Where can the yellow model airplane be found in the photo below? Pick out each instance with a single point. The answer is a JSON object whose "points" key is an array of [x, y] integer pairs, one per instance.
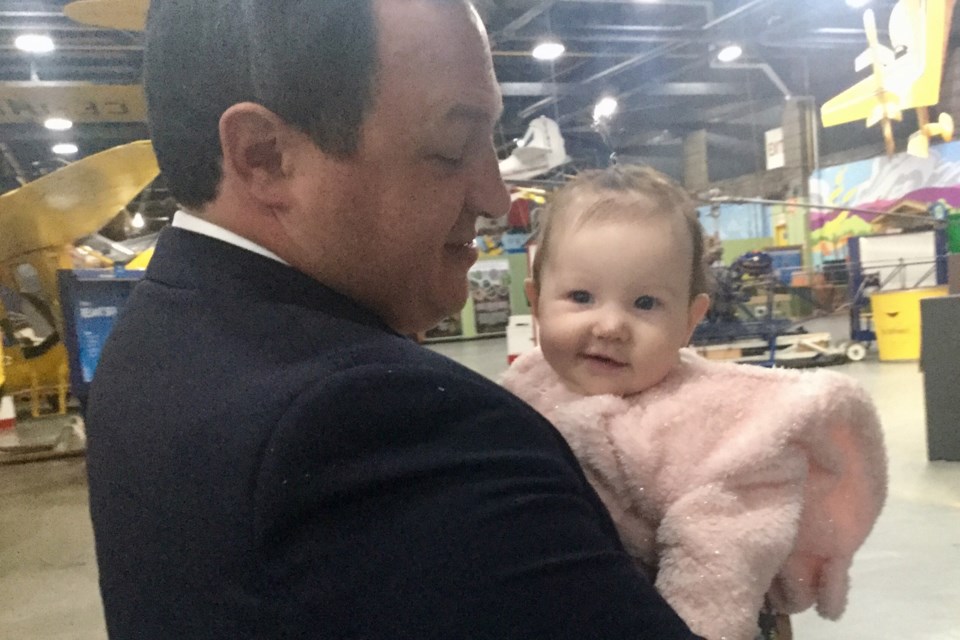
{"points": [[37, 221], [126, 15], [906, 76]]}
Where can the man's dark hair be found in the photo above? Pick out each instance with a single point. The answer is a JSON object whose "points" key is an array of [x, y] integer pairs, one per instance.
{"points": [[312, 62]]}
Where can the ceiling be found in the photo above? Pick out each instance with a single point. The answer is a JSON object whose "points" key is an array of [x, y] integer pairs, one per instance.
{"points": [[658, 57]]}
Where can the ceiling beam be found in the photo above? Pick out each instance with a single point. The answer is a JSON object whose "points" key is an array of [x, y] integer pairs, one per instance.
{"points": [[120, 132], [71, 27], [708, 4], [694, 89], [529, 16], [655, 52], [650, 150], [640, 128], [658, 35], [530, 89]]}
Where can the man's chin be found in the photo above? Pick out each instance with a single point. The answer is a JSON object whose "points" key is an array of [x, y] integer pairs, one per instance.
{"points": [[430, 315]]}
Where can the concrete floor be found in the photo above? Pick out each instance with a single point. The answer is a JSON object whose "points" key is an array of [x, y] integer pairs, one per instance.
{"points": [[906, 579]]}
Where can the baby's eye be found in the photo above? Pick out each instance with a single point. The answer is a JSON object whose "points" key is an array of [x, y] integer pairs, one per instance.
{"points": [[580, 297], [646, 303]]}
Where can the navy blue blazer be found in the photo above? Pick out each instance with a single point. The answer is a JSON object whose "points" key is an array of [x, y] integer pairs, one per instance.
{"points": [[268, 460]]}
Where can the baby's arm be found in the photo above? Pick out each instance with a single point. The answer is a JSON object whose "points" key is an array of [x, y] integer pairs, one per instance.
{"points": [[721, 544]]}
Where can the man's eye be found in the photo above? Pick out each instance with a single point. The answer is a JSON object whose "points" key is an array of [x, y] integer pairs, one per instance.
{"points": [[447, 161], [646, 303], [581, 297]]}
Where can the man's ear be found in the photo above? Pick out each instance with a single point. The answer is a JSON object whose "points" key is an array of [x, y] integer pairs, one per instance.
{"points": [[698, 308], [533, 295], [256, 145]]}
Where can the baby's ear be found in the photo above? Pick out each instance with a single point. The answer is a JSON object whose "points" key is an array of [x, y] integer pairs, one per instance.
{"points": [[698, 308], [533, 295]]}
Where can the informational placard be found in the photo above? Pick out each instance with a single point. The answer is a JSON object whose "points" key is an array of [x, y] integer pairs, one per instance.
{"points": [[92, 300], [774, 145], [94, 323], [490, 290]]}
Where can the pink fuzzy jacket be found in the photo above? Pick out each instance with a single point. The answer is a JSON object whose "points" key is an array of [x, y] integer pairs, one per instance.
{"points": [[736, 482]]}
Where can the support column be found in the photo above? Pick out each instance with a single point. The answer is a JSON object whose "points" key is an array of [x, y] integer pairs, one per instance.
{"points": [[696, 176]]}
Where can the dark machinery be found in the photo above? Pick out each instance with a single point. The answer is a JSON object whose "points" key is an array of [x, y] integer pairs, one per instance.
{"points": [[752, 332]]}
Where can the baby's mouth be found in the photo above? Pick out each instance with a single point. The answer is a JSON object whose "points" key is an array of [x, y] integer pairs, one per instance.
{"points": [[603, 360]]}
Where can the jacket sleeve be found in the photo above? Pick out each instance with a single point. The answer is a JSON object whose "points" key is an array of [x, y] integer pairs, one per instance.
{"points": [[722, 543], [844, 493], [439, 507]]}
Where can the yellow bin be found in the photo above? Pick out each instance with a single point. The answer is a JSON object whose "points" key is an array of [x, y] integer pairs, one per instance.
{"points": [[896, 319]]}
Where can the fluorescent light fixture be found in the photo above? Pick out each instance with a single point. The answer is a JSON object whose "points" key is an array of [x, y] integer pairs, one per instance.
{"points": [[34, 43], [730, 53], [858, 4], [58, 124], [65, 149], [548, 50], [137, 222], [605, 108]]}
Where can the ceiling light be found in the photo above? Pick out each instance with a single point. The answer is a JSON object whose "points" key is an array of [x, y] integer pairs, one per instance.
{"points": [[548, 50], [858, 4], [137, 222], [34, 43], [605, 108], [58, 124], [730, 53], [65, 149]]}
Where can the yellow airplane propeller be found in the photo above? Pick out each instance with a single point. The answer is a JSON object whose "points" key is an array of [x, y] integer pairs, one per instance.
{"points": [[919, 142], [74, 201], [126, 15]]}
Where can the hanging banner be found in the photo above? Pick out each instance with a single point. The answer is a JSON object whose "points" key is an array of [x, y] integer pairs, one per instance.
{"points": [[26, 102]]}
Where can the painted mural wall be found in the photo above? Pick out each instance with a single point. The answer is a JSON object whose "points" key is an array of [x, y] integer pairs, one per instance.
{"points": [[878, 185]]}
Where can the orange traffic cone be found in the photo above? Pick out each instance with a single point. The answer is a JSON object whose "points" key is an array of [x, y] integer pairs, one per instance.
{"points": [[8, 415]]}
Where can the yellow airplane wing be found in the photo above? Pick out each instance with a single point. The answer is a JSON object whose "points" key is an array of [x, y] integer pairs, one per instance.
{"points": [[914, 79], [932, 28], [75, 201], [126, 15]]}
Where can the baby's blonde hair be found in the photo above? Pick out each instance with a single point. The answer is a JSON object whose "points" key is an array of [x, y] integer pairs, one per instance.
{"points": [[631, 190]]}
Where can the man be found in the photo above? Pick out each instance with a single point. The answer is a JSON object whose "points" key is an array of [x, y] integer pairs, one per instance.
{"points": [[268, 456]]}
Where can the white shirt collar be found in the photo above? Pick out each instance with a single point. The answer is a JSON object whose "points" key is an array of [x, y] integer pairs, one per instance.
{"points": [[190, 222]]}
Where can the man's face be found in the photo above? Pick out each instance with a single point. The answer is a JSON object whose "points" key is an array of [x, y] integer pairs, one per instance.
{"points": [[393, 226]]}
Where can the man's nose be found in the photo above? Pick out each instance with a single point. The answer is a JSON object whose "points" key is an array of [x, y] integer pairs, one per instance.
{"points": [[488, 195]]}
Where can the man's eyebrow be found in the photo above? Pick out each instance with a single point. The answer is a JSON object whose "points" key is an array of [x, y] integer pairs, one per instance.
{"points": [[471, 113]]}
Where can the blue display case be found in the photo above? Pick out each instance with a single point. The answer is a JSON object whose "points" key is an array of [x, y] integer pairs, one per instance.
{"points": [[91, 300]]}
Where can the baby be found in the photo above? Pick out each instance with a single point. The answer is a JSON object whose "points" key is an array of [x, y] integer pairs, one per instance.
{"points": [[732, 485]]}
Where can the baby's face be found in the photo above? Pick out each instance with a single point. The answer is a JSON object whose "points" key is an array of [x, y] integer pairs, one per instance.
{"points": [[614, 304]]}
